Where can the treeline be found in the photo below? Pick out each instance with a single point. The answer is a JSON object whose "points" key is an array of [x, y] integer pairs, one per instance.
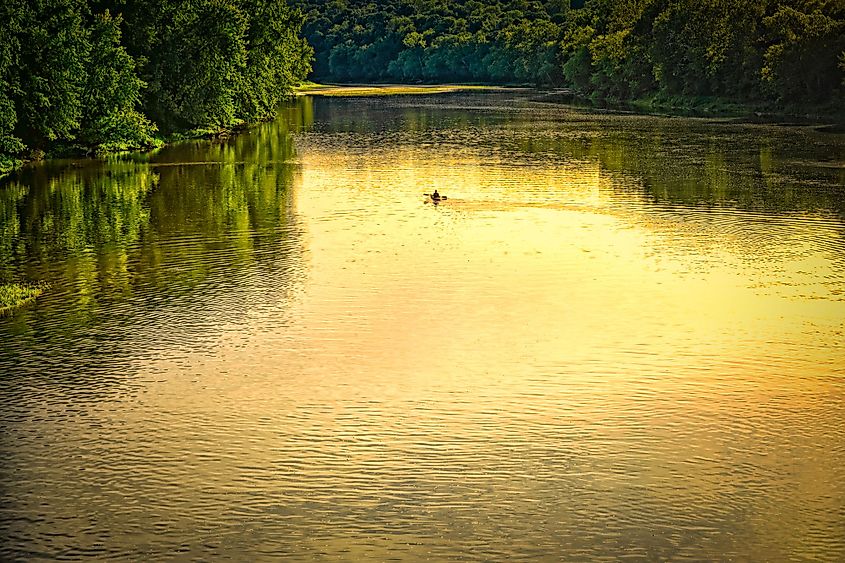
{"points": [[772, 51], [102, 75], [493, 41], [786, 51]]}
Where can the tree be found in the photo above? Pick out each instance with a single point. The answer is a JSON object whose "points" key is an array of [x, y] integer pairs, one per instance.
{"points": [[89, 74], [801, 62], [196, 72], [48, 83], [434, 40], [10, 29], [276, 59], [112, 92]]}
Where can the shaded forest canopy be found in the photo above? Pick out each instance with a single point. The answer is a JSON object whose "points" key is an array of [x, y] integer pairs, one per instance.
{"points": [[779, 51], [110, 74]]}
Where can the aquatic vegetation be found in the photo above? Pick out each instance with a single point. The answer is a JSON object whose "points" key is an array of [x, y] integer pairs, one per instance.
{"points": [[14, 295]]}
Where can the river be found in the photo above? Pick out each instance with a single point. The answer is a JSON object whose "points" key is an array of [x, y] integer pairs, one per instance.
{"points": [[621, 336]]}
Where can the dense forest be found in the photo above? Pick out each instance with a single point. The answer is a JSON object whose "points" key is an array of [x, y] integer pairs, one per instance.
{"points": [[100, 75], [768, 51]]}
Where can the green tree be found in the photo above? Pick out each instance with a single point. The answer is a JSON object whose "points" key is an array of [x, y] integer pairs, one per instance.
{"points": [[112, 93], [802, 60], [48, 83], [434, 40], [276, 59], [10, 29], [534, 45], [196, 72], [91, 73]]}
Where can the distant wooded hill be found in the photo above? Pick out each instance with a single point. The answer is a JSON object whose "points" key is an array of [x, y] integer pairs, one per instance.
{"points": [[790, 51]]}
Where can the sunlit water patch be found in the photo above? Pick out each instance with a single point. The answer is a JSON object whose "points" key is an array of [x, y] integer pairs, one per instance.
{"points": [[620, 336]]}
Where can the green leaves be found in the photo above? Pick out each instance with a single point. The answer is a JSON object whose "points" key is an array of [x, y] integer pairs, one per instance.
{"points": [[775, 50], [433, 40], [112, 92], [196, 68], [105, 75], [803, 57], [48, 83], [15, 295], [277, 59], [10, 144], [215, 63]]}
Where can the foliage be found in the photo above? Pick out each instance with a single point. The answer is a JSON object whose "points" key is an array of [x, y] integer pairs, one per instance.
{"points": [[790, 52], [214, 63], [761, 51], [277, 59], [195, 72], [47, 82], [801, 61], [435, 41], [14, 295], [112, 92], [106, 75], [10, 144]]}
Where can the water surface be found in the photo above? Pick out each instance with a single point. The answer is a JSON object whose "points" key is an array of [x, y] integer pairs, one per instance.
{"points": [[621, 336]]}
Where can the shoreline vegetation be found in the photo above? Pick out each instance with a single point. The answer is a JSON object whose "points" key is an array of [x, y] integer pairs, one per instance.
{"points": [[91, 77], [778, 57], [680, 106], [14, 296], [677, 106], [823, 119], [100, 76]]}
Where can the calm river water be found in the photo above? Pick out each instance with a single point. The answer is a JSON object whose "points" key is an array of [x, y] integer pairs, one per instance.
{"points": [[620, 337]]}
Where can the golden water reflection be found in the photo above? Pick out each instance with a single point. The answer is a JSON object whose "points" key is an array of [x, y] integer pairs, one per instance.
{"points": [[619, 336]]}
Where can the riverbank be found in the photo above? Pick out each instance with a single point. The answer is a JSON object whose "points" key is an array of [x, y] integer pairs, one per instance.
{"points": [[757, 110], [829, 117], [368, 90], [8, 166], [14, 295]]}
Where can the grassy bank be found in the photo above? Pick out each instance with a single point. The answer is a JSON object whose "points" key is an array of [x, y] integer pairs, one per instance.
{"points": [[359, 90], [14, 295]]}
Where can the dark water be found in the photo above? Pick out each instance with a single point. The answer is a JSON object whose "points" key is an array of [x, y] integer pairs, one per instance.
{"points": [[620, 337]]}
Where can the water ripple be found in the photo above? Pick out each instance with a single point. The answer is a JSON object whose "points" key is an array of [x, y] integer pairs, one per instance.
{"points": [[620, 337]]}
